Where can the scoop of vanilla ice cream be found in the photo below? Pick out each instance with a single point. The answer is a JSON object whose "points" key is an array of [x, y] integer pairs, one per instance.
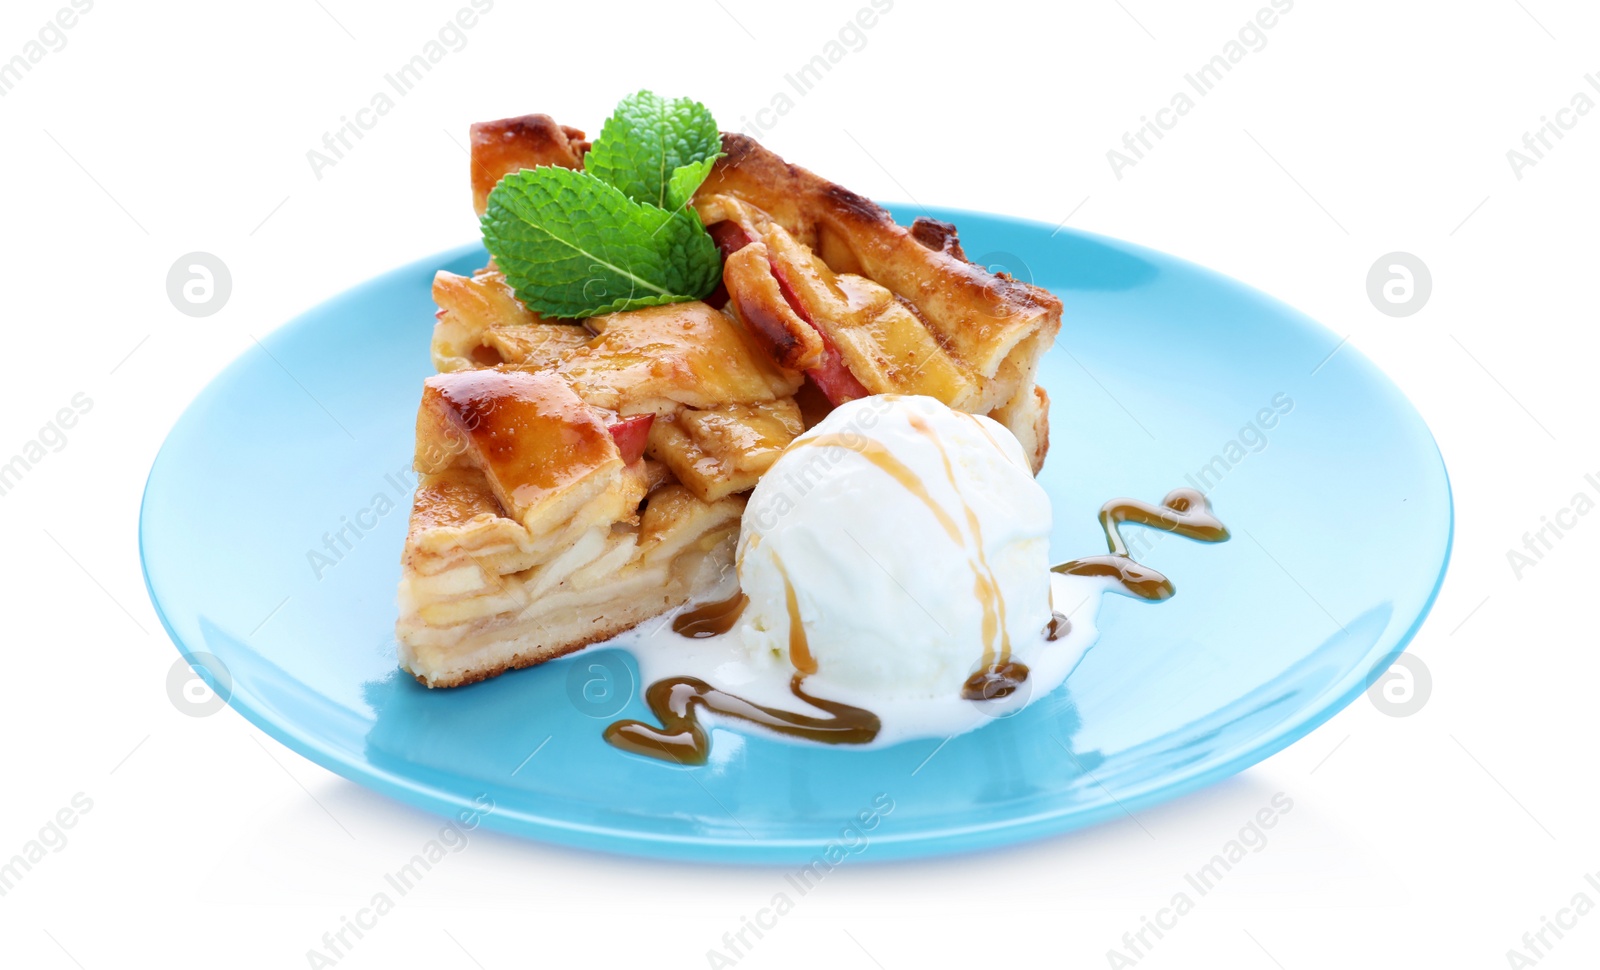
{"points": [[898, 532]]}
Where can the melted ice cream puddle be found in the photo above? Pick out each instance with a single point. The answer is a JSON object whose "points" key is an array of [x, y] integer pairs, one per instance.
{"points": [[726, 663]]}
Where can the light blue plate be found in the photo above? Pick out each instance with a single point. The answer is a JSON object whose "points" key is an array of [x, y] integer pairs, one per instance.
{"points": [[1340, 514]]}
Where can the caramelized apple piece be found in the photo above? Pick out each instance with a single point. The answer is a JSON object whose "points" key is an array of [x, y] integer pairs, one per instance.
{"points": [[831, 375], [544, 453], [656, 474], [631, 435], [757, 296], [725, 450], [471, 309], [683, 354], [675, 517], [533, 346], [834, 380], [723, 214], [760, 294], [748, 438], [729, 236], [873, 343], [458, 504]]}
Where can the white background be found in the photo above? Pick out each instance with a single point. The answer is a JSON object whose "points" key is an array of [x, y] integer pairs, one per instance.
{"points": [[1361, 128]]}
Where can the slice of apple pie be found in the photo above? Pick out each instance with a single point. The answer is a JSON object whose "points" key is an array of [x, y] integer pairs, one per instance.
{"points": [[540, 525], [579, 477]]}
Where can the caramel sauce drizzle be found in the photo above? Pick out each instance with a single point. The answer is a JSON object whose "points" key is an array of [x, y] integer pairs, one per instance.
{"points": [[998, 680], [995, 681], [682, 740], [1184, 511], [799, 648], [985, 585], [711, 619], [984, 431], [997, 675], [898, 470], [1059, 626]]}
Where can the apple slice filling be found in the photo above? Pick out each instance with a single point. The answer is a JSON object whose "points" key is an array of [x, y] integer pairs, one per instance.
{"points": [[758, 288]]}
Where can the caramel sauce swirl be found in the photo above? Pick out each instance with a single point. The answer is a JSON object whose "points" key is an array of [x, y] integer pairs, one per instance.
{"points": [[681, 739], [886, 462], [995, 681], [1184, 511], [711, 619], [674, 701], [985, 586], [799, 647], [1059, 626]]}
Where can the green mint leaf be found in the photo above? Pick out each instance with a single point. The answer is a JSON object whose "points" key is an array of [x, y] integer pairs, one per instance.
{"points": [[572, 246], [646, 140], [685, 179]]}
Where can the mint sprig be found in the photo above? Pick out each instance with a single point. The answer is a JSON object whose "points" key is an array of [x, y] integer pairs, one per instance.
{"points": [[572, 246], [647, 141], [686, 179], [618, 235]]}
